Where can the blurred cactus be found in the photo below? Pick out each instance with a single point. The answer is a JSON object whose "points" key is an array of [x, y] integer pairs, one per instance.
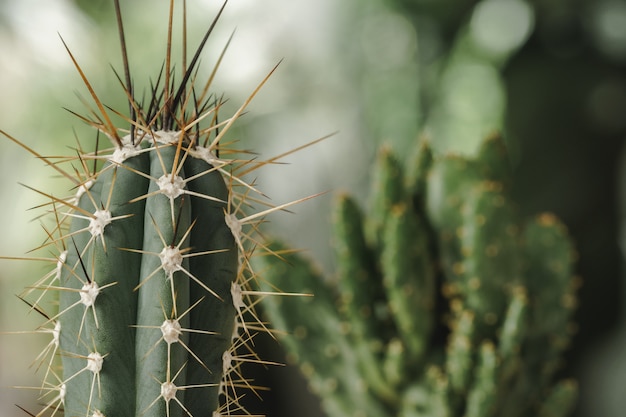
{"points": [[444, 302]]}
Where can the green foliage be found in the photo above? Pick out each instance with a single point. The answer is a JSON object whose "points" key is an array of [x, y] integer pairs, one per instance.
{"points": [[444, 302]]}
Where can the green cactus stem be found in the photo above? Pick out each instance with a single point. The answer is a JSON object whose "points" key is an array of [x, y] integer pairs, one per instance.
{"points": [[449, 305]]}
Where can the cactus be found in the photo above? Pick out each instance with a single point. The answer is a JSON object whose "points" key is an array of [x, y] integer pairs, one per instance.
{"points": [[444, 301], [151, 275]]}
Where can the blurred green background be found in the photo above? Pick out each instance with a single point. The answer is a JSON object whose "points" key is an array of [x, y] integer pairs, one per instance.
{"points": [[549, 74]]}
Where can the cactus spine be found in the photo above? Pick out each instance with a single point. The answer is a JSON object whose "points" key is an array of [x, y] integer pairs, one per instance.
{"points": [[444, 302], [152, 274]]}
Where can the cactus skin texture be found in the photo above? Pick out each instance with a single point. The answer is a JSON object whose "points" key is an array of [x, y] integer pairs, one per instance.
{"points": [[445, 303], [147, 247], [152, 285]]}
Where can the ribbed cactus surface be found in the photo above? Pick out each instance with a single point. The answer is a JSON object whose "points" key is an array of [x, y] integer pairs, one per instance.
{"points": [[444, 301], [149, 298], [145, 286]]}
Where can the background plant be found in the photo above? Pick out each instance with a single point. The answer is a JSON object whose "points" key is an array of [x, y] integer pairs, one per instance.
{"points": [[444, 301]]}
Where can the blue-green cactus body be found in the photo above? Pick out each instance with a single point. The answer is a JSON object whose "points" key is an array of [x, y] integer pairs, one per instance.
{"points": [[165, 266], [98, 325], [216, 312], [163, 292]]}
